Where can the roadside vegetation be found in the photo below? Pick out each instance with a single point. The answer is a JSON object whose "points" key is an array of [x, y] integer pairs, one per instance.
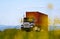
{"points": [[18, 34]]}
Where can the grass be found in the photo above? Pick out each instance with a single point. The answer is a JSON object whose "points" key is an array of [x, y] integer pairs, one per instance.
{"points": [[18, 34]]}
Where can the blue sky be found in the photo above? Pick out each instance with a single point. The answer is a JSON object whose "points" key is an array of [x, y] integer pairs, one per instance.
{"points": [[13, 10]]}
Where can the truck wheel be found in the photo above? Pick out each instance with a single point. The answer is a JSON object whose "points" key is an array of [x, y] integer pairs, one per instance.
{"points": [[27, 29]]}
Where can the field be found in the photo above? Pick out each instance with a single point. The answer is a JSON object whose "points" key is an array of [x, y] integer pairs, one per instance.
{"points": [[18, 34]]}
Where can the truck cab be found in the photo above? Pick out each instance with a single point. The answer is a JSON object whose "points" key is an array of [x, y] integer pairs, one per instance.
{"points": [[27, 24]]}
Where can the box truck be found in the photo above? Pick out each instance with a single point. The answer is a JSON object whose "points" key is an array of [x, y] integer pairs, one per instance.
{"points": [[35, 21]]}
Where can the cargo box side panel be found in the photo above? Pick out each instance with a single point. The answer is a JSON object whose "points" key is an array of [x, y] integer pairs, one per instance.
{"points": [[43, 21]]}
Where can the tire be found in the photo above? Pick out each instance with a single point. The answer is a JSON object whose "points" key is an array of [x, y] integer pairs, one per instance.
{"points": [[27, 29]]}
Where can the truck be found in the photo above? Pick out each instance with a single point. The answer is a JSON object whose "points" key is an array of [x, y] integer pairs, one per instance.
{"points": [[35, 21]]}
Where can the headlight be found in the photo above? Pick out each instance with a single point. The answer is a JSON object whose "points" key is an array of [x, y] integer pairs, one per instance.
{"points": [[31, 26]]}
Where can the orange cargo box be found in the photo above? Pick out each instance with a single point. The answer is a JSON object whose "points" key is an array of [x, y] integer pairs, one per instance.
{"points": [[40, 19]]}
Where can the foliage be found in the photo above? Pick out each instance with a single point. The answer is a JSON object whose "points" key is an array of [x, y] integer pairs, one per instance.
{"points": [[18, 34]]}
